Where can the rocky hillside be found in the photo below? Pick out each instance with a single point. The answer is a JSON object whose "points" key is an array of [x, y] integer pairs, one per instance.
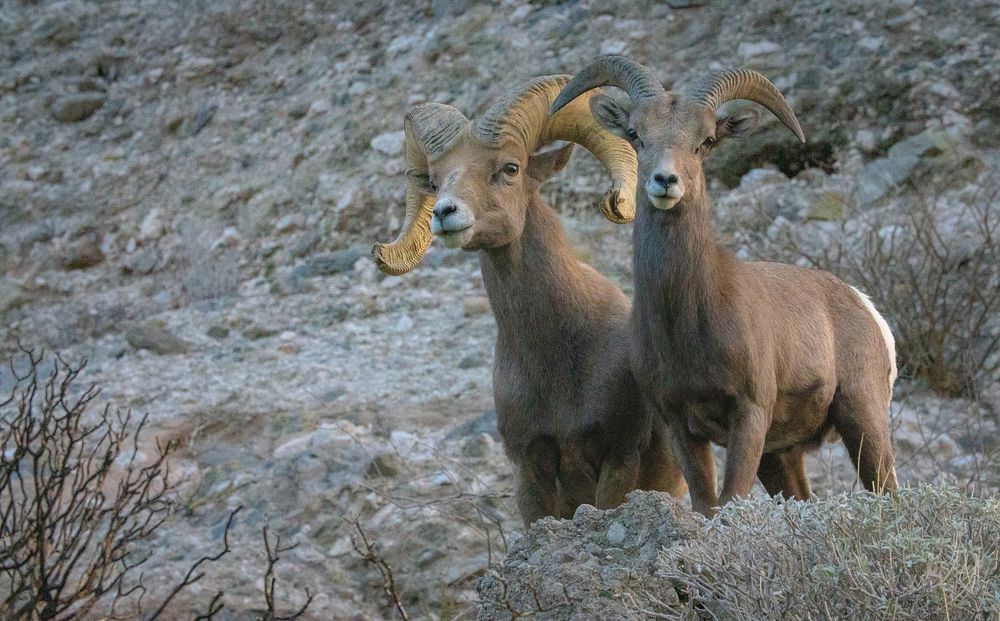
{"points": [[188, 192]]}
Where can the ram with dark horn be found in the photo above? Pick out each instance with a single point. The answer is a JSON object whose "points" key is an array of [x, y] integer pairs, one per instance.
{"points": [[568, 408], [765, 359]]}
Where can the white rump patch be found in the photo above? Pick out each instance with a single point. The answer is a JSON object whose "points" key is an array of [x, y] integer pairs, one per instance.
{"points": [[890, 343]]}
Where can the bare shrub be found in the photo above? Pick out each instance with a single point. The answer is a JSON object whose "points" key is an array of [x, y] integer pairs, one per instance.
{"points": [[923, 553], [80, 503], [936, 280]]}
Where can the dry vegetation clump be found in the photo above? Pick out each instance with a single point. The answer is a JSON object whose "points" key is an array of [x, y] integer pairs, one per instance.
{"points": [[923, 553], [936, 280]]}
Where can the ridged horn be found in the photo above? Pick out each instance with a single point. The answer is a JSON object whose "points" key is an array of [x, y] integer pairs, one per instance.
{"points": [[523, 114], [430, 129], [752, 86], [620, 71]]}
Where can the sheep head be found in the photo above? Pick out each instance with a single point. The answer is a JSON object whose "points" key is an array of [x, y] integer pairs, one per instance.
{"points": [[672, 133], [469, 183]]}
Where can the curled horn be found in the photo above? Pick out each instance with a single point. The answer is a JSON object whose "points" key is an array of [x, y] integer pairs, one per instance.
{"points": [[620, 71], [752, 86], [523, 114], [430, 130]]}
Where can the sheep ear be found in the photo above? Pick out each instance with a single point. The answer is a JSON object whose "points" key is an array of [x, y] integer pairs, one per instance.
{"points": [[738, 125], [544, 164], [420, 180], [610, 114]]}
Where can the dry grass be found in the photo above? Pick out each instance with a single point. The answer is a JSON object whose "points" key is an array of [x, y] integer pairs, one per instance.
{"points": [[923, 553]]}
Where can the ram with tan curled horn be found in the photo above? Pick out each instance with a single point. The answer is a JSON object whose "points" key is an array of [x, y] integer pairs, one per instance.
{"points": [[765, 359], [567, 405]]}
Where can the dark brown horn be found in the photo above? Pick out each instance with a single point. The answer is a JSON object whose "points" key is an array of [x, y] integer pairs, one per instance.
{"points": [[752, 86], [620, 71]]}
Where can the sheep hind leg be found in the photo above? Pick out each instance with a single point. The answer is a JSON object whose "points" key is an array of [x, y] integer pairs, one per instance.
{"points": [[784, 473], [864, 428]]}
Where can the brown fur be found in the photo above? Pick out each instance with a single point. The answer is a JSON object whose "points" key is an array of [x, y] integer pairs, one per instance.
{"points": [[762, 358], [568, 408]]}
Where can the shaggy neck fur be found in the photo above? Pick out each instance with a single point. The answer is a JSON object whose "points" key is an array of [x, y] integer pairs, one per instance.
{"points": [[676, 252], [536, 287]]}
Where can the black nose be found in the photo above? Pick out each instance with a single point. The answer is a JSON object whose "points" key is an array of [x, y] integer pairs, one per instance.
{"points": [[665, 180], [443, 211]]}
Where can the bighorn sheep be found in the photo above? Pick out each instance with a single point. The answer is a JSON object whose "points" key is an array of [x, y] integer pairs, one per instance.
{"points": [[763, 358], [568, 408]]}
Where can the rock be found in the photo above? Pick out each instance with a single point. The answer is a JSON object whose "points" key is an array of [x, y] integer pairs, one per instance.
{"points": [[319, 107], [229, 238], [471, 362], [352, 208], [82, 253], [484, 423], [884, 174], [389, 143], [156, 339], [152, 226], [475, 306], [289, 223], [77, 107], [60, 30], [195, 67], [335, 262], [304, 243], [218, 332], [384, 465], [13, 295], [613, 47], [685, 4], [616, 534], [142, 262], [827, 205], [760, 48], [572, 570], [256, 332]]}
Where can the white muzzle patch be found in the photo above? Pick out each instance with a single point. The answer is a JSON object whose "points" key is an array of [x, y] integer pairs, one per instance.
{"points": [[661, 197], [455, 228]]}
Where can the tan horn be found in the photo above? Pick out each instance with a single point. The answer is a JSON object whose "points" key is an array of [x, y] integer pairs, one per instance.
{"points": [[430, 130], [523, 114], [752, 86]]}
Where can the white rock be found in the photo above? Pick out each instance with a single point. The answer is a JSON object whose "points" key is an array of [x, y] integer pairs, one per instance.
{"points": [[151, 226], [195, 67], [520, 13], [230, 237], [389, 143], [320, 106], [749, 49], [402, 43], [616, 533], [865, 139], [613, 47], [289, 222]]}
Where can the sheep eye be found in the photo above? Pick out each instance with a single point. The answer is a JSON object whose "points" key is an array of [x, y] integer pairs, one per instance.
{"points": [[511, 169], [632, 134], [709, 142]]}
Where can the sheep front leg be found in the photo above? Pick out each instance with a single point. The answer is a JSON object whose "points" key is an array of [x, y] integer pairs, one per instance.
{"points": [[744, 449], [537, 488], [619, 475], [697, 464]]}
